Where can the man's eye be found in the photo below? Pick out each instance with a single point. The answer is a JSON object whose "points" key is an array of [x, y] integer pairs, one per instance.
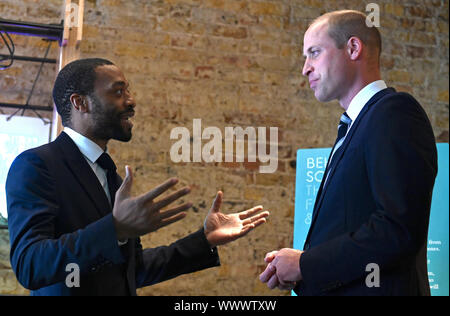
{"points": [[119, 92], [315, 53]]}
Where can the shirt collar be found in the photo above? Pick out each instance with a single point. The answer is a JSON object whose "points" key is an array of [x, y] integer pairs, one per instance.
{"points": [[363, 96], [88, 148]]}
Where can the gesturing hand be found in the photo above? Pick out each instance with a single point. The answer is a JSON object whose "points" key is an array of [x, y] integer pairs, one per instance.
{"points": [[138, 216], [223, 228]]}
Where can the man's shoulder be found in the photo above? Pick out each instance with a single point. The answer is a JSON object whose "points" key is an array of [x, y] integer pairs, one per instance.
{"points": [[392, 95], [45, 154], [397, 112], [37, 152], [392, 102]]}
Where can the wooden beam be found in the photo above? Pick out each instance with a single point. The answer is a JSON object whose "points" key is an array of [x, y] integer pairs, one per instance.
{"points": [[70, 46]]}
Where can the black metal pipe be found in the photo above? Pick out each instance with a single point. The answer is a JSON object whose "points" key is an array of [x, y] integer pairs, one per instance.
{"points": [[27, 58], [52, 32], [26, 107]]}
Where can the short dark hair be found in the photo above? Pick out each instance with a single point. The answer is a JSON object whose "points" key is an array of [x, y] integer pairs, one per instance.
{"points": [[344, 24], [76, 77]]}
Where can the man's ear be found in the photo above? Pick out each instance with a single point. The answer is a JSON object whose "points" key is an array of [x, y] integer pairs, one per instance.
{"points": [[79, 102], [354, 48]]}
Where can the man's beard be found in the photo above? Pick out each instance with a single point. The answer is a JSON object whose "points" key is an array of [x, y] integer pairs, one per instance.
{"points": [[108, 123]]}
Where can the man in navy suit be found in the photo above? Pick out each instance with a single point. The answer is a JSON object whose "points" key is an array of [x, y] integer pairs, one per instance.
{"points": [[368, 234], [69, 211]]}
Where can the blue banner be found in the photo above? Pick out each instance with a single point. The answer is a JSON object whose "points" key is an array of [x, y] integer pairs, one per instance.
{"points": [[311, 164], [438, 252]]}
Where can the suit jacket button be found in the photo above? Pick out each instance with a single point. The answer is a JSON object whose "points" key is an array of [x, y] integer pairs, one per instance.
{"points": [[306, 247]]}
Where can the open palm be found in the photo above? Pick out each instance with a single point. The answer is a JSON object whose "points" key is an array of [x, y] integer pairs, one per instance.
{"points": [[223, 228]]}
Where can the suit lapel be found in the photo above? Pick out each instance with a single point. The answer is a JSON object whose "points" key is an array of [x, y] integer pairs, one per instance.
{"points": [[340, 152], [319, 193], [83, 173]]}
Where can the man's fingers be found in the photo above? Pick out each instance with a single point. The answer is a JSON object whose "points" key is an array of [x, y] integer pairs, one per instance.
{"points": [[172, 219], [152, 194], [175, 210], [171, 198], [273, 282], [256, 218], [267, 274], [270, 256], [247, 228], [217, 202], [250, 212], [124, 190], [258, 223]]}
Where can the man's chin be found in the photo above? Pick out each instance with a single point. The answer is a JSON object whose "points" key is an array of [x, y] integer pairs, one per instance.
{"points": [[322, 98], [123, 137]]}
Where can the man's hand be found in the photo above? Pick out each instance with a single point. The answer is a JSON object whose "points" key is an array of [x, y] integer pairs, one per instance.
{"points": [[223, 228], [138, 216], [283, 269]]}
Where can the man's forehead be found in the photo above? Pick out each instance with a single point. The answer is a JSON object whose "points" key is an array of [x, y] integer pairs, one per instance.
{"points": [[315, 35], [109, 75]]}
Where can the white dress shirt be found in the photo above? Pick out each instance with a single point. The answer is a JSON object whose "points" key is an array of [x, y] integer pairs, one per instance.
{"points": [[91, 152], [362, 97]]}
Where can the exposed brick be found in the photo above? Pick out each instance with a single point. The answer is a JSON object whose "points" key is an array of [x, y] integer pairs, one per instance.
{"points": [[205, 72], [394, 8], [227, 5], [230, 63], [229, 31], [419, 11], [443, 96], [267, 8]]}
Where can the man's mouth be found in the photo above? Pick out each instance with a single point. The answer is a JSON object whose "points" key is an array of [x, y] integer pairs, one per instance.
{"points": [[313, 83], [125, 118]]}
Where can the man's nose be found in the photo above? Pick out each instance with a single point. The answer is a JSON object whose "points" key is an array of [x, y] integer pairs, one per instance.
{"points": [[130, 101], [307, 68]]}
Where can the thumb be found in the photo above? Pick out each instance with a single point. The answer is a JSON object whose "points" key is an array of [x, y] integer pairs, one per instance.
{"points": [[124, 190], [270, 256], [217, 202]]}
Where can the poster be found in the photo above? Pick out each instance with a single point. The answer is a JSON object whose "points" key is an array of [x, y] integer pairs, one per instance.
{"points": [[311, 164]]}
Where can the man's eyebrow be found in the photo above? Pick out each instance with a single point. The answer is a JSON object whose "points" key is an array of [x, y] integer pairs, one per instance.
{"points": [[118, 84], [309, 51]]}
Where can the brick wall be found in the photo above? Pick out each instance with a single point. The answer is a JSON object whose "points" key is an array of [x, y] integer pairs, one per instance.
{"points": [[16, 82], [237, 63]]}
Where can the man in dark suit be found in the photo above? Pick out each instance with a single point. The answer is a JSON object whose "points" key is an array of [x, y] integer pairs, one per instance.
{"points": [[368, 234], [69, 211]]}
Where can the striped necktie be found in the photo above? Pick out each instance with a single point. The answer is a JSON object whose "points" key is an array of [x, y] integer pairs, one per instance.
{"points": [[344, 124]]}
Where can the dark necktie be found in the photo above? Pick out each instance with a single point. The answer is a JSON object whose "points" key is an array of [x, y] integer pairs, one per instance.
{"points": [[344, 124], [113, 179], [108, 164]]}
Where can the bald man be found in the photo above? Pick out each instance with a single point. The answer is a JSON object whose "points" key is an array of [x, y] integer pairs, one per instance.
{"points": [[370, 220]]}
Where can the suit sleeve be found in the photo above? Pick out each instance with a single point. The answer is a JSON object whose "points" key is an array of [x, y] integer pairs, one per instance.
{"points": [[400, 158], [38, 256], [186, 255]]}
